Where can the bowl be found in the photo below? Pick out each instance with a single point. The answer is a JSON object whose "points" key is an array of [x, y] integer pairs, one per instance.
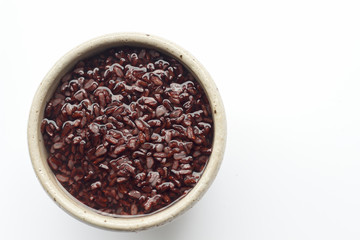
{"points": [[39, 154]]}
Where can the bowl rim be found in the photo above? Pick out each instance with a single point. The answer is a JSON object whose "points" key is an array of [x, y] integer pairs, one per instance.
{"points": [[38, 155]]}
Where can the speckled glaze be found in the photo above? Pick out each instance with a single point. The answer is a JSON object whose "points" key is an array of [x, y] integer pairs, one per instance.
{"points": [[39, 154]]}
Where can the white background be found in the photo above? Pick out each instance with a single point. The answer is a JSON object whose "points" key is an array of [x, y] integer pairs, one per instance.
{"points": [[289, 75]]}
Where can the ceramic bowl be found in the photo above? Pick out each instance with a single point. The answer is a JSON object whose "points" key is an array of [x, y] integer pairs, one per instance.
{"points": [[39, 154]]}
